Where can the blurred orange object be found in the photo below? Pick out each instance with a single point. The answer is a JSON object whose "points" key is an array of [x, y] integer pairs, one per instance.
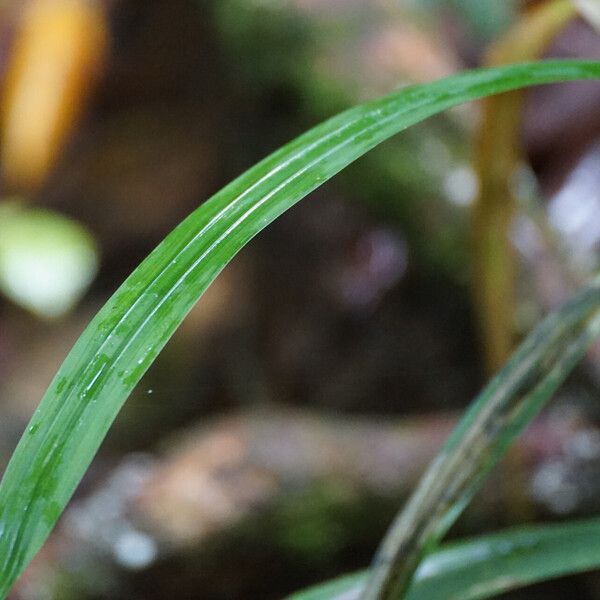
{"points": [[59, 51]]}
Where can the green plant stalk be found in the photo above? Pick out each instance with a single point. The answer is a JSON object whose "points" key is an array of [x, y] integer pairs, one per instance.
{"points": [[488, 565], [125, 337], [496, 418]]}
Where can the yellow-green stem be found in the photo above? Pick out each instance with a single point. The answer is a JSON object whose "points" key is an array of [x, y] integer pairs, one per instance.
{"points": [[498, 154]]}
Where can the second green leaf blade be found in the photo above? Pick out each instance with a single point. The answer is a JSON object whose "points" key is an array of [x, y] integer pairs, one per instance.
{"points": [[489, 565], [126, 336]]}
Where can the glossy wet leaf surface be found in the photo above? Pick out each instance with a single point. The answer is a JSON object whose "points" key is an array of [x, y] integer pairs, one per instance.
{"points": [[489, 565], [126, 336]]}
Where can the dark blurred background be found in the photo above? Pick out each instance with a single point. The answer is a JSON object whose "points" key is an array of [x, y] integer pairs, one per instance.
{"points": [[271, 443]]}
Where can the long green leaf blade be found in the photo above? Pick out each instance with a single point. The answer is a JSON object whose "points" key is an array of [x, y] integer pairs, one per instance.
{"points": [[495, 419], [489, 565], [127, 334]]}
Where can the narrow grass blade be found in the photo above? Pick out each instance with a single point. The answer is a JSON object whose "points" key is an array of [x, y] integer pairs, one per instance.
{"points": [[125, 337], [496, 418], [489, 565]]}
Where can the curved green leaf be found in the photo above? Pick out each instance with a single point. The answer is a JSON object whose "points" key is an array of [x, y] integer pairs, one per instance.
{"points": [[489, 565], [495, 419], [125, 337]]}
